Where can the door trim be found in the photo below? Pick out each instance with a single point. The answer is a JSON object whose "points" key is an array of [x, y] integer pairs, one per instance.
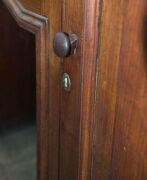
{"points": [[39, 26], [91, 34]]}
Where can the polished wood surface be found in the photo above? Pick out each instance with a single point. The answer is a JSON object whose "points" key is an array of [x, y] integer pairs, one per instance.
{"points": [[91, 40], [98, 130], [72, 22], [129, 156], [33, 5], [52, 9], [77, 107], [120, 136], [108, 55]]}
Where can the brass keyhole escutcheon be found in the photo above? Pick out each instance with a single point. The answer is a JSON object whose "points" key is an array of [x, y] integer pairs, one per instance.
{"points": [[66, 82]]}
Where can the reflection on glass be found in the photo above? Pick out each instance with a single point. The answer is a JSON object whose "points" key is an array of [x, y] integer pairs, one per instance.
{"points": [[18, 137], [17, 151]]}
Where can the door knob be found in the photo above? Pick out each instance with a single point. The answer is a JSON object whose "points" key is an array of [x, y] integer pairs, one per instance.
{"points": [[64, 44]]}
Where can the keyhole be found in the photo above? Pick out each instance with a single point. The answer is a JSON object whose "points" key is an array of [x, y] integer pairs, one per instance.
{"points": [[66, 82]]}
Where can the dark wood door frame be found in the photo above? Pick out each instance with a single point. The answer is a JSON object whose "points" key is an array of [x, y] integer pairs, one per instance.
{"points": [[39, 26]]}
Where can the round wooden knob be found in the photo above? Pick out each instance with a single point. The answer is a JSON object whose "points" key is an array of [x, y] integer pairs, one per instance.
{"points": [[65, 44]]}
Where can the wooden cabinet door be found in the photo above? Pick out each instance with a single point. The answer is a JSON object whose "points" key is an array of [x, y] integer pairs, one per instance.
{"points": [[120, 136], [70, 118], [64, 118]]}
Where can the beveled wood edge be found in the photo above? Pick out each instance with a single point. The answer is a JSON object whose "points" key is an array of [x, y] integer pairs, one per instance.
{"points": [[25, 18], [38, 25], [91, 33]]}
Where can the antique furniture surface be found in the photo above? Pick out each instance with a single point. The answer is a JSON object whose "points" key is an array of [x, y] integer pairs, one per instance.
{"points": [[96, 129]]}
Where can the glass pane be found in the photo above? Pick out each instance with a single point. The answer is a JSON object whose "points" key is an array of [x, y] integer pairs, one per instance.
{"points": [[18, 136]]}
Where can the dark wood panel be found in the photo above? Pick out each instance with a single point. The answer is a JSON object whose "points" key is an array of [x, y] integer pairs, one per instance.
{"points": [[120, 131], [90, 41], [17, 69], [129, 158], [77, 106], [108, 60], [52, 9], [72, 22]]}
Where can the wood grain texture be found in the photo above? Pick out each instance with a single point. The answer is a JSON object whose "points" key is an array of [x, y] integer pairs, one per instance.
{"points": [[91, 38], [129, 158], [39, 26], [108, 55], [77, 107], [110, 143], [120, 143], [33, 5], [52, 9], [72, 22]]}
